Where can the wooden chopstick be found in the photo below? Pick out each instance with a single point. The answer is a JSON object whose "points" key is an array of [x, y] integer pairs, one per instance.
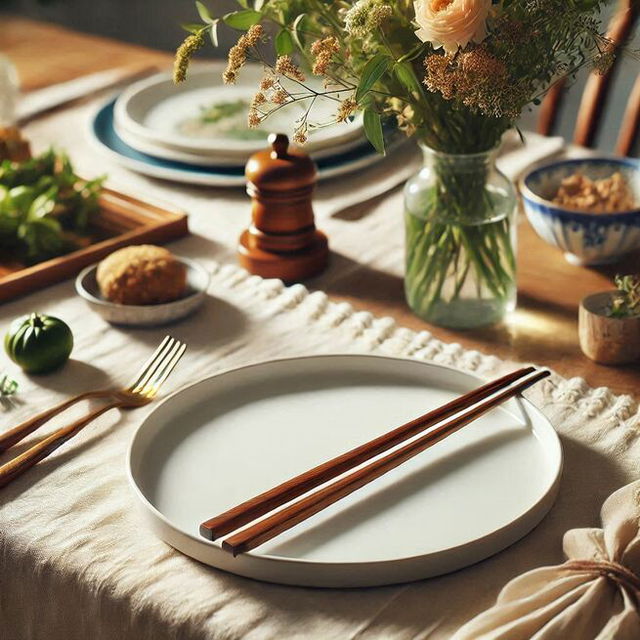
{"points": [[259, 505], [284, 519]]}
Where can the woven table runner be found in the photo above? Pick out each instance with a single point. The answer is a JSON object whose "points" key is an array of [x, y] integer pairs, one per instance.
{"points": [[76, 560]]}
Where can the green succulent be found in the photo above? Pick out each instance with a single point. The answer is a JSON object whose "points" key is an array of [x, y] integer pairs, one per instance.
{"points": [[626, 302]]}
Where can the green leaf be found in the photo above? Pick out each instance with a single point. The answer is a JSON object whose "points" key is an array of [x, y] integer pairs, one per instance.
{"points": [[284, 43], [213, 32], [373, 129], [191, 27], [372, 72], [243, 3], [297, 31], [407, 77], [203, 12], [242, 20]]}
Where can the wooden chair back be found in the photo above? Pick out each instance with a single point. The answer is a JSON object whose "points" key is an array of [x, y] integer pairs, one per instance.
{"points": [[597, 90]]}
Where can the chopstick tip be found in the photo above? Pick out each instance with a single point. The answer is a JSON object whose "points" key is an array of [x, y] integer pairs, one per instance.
{"points": [[234, 550], [206, 533]]}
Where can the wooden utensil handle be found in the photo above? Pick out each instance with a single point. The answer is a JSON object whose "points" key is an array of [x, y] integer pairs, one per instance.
{"points": [[285, 518], [16, 434], [251, 509], [16, 467]]}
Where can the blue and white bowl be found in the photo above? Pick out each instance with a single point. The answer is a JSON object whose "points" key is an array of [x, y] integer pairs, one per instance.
{"points": [[586, 238]]}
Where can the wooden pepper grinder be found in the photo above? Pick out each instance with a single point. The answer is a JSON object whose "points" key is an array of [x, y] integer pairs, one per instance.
{"points": [[282, 241]]}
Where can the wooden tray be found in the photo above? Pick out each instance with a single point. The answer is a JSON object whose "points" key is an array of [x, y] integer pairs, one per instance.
{"points": [[122, 220]]}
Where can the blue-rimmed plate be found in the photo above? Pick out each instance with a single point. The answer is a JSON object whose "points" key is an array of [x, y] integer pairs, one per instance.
{"points": [[105, 137]]}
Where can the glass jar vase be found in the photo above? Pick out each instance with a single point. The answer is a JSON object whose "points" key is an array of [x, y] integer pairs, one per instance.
{"points": [[460, 240]]}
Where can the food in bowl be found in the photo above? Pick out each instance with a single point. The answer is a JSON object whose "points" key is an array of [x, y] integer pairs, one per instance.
{"points": [[142, 275], [604, 195], [585, 237]]}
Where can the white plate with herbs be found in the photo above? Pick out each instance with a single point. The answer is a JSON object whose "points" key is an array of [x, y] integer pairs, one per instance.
{"points": [[202, 116], [201, 160], [104, 137], [231, 436]]}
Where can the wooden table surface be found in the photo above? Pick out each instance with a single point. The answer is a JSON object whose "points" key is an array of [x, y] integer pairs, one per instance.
{"points": [[542, 330]]}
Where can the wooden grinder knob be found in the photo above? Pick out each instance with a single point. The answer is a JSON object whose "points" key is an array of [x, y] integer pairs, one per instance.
{"points": [[282, 241]]}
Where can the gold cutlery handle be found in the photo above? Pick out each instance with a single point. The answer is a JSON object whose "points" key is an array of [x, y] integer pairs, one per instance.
{"points": [[16, 467], [16, 434]]}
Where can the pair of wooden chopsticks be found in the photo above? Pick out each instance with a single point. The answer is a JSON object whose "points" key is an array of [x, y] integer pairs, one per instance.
{"points": [[473, 404]]}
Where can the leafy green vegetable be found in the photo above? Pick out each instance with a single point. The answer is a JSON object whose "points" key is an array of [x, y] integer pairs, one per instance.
{"points": [[44, 207]]}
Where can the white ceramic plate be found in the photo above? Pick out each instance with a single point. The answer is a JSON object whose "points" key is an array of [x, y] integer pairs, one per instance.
{"points": [[158, 111], [201, 160], [104, 137], [234, 435]]}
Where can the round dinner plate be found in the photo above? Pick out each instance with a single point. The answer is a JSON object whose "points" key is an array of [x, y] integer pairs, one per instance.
{"points": [[229, 437], [103, 135], [202, 116], [168, 153]]}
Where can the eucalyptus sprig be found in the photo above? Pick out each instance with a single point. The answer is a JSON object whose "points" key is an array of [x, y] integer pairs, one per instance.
{"points": [[626, 301]]}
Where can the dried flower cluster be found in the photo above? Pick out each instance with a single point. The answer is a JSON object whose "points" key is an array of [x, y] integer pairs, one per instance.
{"points": [[323, 50], [301, 134], [365, 16], [477, 79], [184, 54], [404, 115], [238, 53], [286, 67], [271, 93], [267, 82], [346, 109]]}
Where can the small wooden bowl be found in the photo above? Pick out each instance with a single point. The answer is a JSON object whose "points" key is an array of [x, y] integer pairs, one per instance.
{"points": [[604, 339]]}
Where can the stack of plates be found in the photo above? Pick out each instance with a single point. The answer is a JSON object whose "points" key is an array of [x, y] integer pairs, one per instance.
{"points": [[197, 132]]}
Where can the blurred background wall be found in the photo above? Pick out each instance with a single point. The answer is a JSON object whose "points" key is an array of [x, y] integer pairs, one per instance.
{"points": [[156, 24], [152, 23]]}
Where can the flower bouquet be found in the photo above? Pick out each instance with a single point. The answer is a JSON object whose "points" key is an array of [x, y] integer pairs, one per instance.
{"points": [[455, 74]]}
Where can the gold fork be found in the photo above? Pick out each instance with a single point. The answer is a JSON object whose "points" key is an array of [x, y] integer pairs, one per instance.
{"points": [[142, 390], [15, 435]]}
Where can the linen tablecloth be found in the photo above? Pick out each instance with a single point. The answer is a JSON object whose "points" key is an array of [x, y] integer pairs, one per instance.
{"points": [[76, 560]]}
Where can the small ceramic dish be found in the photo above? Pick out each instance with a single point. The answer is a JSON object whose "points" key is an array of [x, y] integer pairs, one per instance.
{"points": [[586, 238], [198, 280]]}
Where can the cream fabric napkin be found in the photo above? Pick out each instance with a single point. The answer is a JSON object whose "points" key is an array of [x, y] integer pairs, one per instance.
{"points": [[594, 595]]}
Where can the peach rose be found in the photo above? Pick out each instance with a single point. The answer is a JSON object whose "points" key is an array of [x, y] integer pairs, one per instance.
{"points": [[451, 23]]}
